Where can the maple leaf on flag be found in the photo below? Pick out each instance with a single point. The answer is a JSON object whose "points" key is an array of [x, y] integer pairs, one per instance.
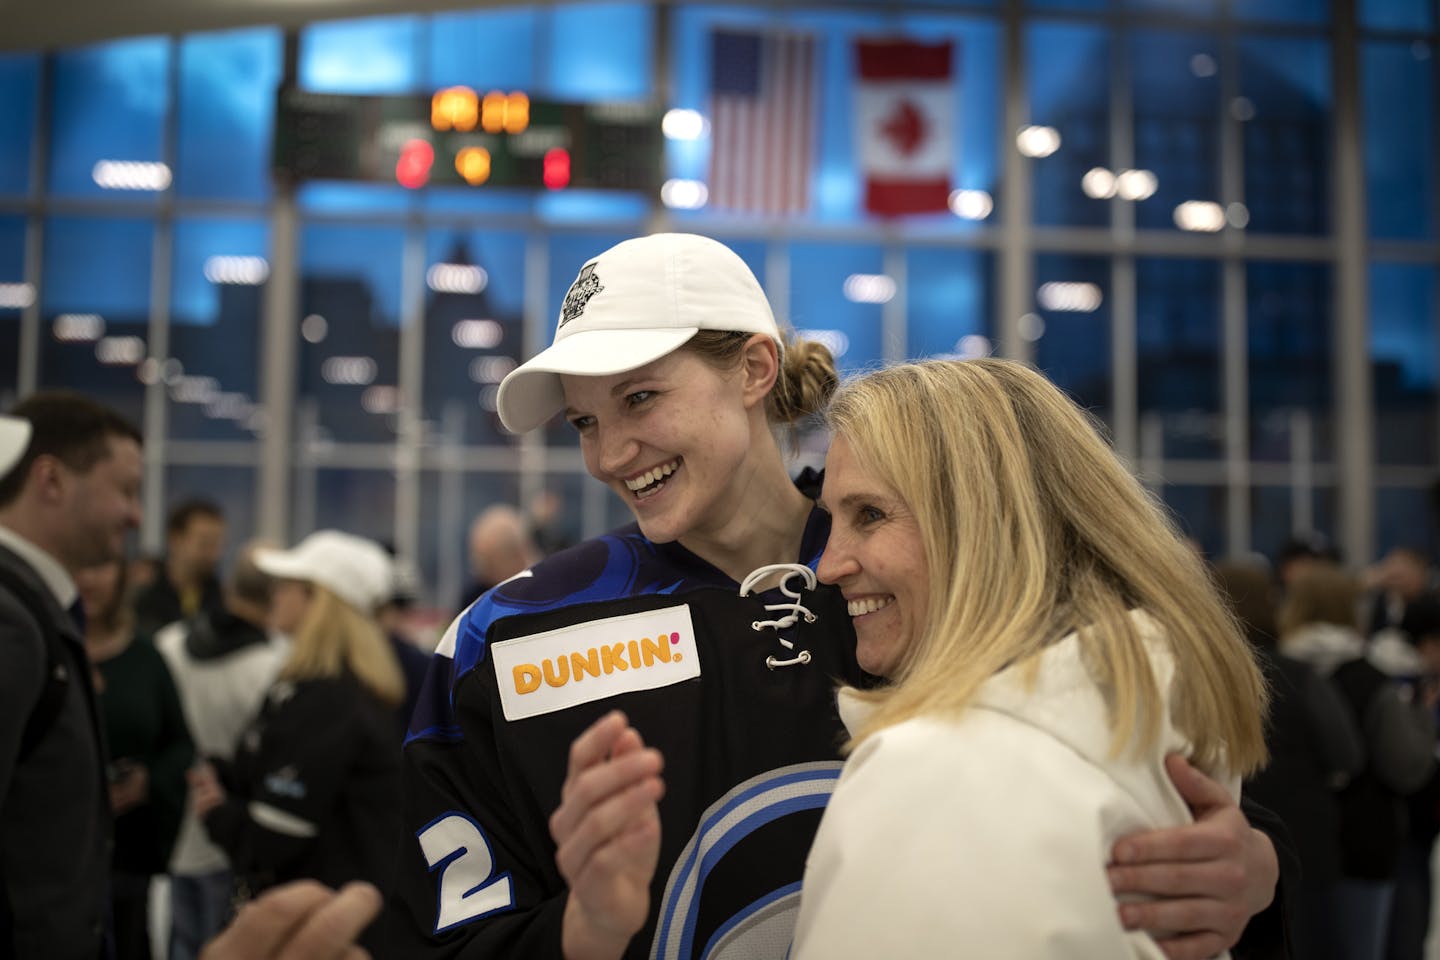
{"points": [[905, 128], [905, 106]]}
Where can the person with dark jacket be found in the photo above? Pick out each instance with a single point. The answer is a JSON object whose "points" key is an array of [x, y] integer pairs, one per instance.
{"points": [[150, 749], [1318, 625], [223, 662], [1419, 673], [1400, 585], [70, 496], [1314, 747], [392, 607], [186, 582], [314, 788]]}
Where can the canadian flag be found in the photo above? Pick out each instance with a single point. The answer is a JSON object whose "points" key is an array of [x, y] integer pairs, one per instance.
{"points": [[905, 103]]}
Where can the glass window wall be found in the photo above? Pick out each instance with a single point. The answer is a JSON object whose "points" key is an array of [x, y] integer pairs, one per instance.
{"points": [[156, 215]]}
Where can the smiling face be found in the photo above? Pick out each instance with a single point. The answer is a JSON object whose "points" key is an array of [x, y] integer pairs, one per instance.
{"points": [[877, 559], [102, 505], [671, 439]]}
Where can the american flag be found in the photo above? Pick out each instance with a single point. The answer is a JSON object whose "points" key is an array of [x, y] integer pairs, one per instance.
{"points": [[762, 121]]}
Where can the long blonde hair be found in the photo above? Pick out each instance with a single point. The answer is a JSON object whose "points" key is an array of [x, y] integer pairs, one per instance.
{"points": [[334, 637], [1033, 529]]}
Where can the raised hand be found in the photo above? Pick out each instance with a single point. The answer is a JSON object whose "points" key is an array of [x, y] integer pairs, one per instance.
{"points": [[607, 837]]}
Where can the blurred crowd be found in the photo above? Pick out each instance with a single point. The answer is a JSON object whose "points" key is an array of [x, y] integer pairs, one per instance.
{"points": [[308, 658], [251, 711], [1353, 659]]}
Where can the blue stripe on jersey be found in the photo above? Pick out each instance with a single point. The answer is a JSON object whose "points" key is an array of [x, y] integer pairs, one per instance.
{"points": [[747, 807], [611, 567], [600, 569], [433, 717], [789, 890], [449, 731]]}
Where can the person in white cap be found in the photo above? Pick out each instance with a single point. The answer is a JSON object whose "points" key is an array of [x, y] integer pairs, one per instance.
{"points": [[313, 789], [537, 822], [70, 472]]}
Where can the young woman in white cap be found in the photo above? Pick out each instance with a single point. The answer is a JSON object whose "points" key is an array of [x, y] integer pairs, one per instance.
{"points": [[313, 789], [537, 822]]}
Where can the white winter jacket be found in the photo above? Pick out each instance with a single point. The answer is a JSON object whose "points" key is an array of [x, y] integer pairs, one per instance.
{"points": [[988, 835], [220, 697]]}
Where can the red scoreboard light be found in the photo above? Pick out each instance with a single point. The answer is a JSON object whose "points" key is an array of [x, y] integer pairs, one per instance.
{"points": [[413, 168], [557, 168]]}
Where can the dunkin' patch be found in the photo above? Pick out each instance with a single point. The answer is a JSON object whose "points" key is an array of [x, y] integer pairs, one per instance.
{"points": [[558, 669]]}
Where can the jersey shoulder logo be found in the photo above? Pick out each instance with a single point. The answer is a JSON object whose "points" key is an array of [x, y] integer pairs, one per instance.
{"points": [[586, 285], [558, 669]]}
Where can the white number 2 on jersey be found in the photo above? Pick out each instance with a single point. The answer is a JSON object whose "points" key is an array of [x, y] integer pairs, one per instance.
{"points": [[454, 845]]}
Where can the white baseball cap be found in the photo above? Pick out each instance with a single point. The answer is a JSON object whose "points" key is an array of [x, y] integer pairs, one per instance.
{"points": [[634, 303], [353, 568], [14, 438]]}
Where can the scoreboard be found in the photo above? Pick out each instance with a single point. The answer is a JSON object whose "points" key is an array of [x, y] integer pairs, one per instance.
{"points": [[458, 137]]}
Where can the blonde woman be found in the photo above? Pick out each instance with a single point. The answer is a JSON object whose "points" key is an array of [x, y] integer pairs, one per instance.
{"points": [[313, 790], [1048, 640]]}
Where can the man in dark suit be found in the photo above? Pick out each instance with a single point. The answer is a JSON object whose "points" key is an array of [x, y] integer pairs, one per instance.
{"points": [[68, 499]]}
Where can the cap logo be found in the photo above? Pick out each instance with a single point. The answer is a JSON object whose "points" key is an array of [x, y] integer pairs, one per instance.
{"points": [[585, 286]]}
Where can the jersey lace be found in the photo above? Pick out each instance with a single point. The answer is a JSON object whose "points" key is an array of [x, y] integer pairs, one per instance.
{"points": [[794, 609]]}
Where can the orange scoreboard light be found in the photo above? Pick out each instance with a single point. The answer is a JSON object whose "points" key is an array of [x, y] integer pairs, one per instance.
{"points": [[458, 137]]}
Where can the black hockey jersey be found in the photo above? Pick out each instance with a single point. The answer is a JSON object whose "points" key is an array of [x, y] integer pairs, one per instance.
{"points": [[751, 750]]}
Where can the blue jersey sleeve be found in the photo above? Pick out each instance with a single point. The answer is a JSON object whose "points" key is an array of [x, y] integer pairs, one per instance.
{"points": [[476, 875]]}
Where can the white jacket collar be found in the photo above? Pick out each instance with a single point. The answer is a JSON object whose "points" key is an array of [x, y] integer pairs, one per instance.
{"points": [[47, 568], [1063, 699], [1324, 646]]}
